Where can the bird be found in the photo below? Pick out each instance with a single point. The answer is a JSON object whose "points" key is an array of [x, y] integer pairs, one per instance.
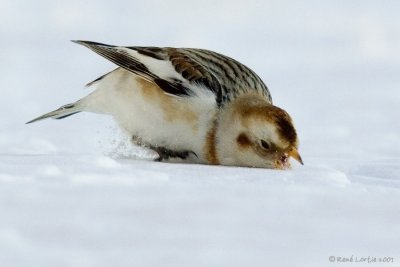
{"points": [[191, 104]]}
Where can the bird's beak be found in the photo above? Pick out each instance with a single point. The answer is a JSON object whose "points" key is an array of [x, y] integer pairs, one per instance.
{"points": [[295, 154]]}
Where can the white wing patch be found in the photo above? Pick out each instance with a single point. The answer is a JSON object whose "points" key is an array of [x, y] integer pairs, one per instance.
{"points": [[165, 70], [162, 68]]}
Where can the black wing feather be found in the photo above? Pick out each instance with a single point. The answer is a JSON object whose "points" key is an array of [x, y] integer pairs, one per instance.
{"points": [[124, 60], [225, 77]]}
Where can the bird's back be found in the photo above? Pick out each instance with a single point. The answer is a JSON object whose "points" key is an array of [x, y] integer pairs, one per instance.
{"points": [[181, 71], [234, 77]]}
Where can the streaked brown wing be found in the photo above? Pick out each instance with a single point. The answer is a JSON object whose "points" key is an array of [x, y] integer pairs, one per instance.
{"points": [[186, 65], [224, 76], [123, 58]]}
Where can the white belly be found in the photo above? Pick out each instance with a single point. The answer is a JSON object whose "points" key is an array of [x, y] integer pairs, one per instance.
{"points": [[142, 109]]}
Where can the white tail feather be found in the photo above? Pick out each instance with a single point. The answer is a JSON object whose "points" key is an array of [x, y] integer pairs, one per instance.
{"points": [[62, 112]]}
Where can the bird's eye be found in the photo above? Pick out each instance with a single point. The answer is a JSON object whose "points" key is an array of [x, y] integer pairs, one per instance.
{"points": [[265, 144]]}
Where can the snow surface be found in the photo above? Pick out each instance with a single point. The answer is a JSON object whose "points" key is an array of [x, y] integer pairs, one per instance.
{"points": [[75, 193]]}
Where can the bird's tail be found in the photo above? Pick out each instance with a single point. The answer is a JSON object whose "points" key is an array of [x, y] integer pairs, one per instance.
{"points": [[62, 112]]}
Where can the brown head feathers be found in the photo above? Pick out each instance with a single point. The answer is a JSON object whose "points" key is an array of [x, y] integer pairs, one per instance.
{"points": [[257, 108]]}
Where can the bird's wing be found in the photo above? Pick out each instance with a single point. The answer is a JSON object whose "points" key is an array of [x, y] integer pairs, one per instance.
{"points": [[182, 71]]}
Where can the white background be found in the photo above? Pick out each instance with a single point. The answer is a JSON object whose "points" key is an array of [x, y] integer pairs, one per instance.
{"points": [[73, 194]]}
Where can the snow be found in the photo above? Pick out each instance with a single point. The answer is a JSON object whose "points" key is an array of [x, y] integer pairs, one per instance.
{"points": [[74, 192]]}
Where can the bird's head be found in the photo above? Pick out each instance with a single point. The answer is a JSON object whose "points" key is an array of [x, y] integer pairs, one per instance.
{"points": [[254, 133]]}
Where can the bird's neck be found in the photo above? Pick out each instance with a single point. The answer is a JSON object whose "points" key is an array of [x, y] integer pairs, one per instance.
{"points": [[210, 147], [221, 131]]}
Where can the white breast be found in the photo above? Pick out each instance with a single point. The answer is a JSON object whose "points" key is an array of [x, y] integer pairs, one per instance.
{"points": [[143, 109]]}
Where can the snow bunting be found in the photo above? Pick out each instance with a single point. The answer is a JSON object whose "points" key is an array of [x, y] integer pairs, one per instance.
{"points": [[183, 101]]}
